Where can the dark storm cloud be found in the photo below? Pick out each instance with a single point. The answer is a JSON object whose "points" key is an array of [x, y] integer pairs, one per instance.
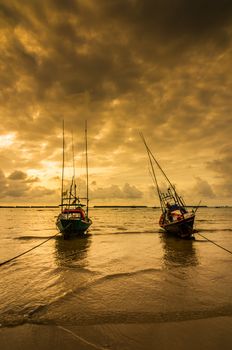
{"points": [[178, 18], [97, 47], [163, 31]]}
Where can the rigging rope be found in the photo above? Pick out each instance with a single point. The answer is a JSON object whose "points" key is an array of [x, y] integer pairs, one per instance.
{"points": [[218, 245], [27, 251]]}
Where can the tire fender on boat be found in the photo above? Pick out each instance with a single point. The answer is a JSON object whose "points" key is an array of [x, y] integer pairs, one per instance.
{"points": [[73, 211]]}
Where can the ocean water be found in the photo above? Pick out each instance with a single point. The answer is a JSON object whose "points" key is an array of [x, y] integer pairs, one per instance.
{"points": [[124, 271]]}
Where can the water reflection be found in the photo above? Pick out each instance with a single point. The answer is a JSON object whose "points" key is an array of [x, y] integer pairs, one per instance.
{"points": [[72, 252], [178, 252]]}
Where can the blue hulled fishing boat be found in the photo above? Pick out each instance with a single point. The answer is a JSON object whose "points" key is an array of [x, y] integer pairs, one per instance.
{"points": [[73, 219]]}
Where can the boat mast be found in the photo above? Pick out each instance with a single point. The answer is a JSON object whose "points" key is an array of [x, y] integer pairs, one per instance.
{"points": [[62, 176], [162, 170], [178, 199], [153, 171], [74, 173], [87, 171]]}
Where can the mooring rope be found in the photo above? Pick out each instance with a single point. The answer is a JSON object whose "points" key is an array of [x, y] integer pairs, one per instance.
{"points": [[46, 240], [29, 250], [218, 245], [82, 339]]}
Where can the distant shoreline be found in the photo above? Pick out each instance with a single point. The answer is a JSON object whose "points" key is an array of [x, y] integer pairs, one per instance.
{"points": [[120, 206], [29, 206], [106, 206]]}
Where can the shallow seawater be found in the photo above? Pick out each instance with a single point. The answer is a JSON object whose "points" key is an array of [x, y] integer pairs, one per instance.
{"points": [[124, 271]]}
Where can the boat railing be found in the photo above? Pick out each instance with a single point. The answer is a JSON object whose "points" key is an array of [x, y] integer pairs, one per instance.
{"points": [[167, 196]]}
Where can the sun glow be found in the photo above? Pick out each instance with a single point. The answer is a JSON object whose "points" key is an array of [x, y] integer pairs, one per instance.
{"points": [[6, 140]]}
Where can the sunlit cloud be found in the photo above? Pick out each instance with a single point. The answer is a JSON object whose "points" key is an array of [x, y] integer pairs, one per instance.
{"points": [[6, 140]]}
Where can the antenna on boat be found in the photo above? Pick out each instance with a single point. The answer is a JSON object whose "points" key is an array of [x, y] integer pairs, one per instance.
{"points": [[87, 170], [62, 176]]}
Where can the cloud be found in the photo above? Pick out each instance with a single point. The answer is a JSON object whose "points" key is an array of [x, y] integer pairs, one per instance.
{"points": [[203, 189], [115, 192], [17, 175], [125, 191], [131, 191], [222, 168], [18, 186], [3, 183]]}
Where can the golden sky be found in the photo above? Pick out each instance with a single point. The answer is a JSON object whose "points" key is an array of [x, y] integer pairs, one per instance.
{"points": [[162, 67]]}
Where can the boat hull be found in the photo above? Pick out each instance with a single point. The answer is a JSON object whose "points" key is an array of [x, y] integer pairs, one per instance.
{"points": [[72, 228], [182, 228]]}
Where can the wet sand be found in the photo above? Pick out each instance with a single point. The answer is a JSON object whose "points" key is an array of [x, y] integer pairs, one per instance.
{"points": [[212, 333]]}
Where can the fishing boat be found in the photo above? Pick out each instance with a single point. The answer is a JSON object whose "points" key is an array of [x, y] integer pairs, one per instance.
{"points": [[73, 219], [175, 217]]}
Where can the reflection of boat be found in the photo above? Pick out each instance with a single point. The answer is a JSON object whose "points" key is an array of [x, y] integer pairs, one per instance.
{"points": [[178, 252], [175, 217], [71, 258], [75, 253], [73, 219]]}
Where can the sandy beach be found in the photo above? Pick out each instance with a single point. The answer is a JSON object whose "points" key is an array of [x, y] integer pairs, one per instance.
{"points": [[213, 334]]}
